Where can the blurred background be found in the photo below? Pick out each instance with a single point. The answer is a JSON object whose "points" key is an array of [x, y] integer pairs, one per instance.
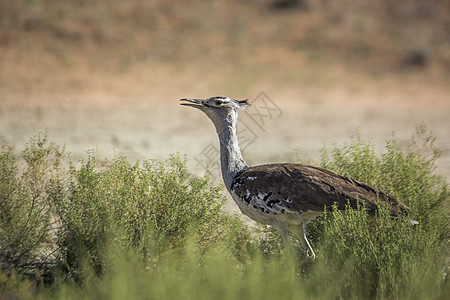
{"points": [[108, 75]]}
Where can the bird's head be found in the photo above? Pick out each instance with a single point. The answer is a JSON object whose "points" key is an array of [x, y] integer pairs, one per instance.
{"points": [[217, 108]]}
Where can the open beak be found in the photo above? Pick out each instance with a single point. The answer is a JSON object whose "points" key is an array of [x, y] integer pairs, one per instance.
{"points": [[197, 103]]}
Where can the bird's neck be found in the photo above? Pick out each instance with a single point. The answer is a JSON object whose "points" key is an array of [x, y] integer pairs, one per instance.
{"points": [[231, 160]]}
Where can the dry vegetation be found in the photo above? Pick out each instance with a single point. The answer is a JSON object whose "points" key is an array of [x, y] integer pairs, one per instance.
{"points": [[51, 46]]}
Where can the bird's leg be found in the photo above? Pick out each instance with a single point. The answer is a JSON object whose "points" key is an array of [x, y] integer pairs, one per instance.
{"points": [[286, 240], [312, 254], [301, 235], [290, 252]]}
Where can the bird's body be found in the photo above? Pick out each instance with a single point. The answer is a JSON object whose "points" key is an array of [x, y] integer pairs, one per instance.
{"points": [[258, 194], [296, 189], [286, 196]]}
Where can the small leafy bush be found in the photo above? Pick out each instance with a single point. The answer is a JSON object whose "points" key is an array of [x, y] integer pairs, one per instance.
{"points": [[56, 216], [384, 257], [25, 213], [188, 274], [407, 173], [152, 207]]}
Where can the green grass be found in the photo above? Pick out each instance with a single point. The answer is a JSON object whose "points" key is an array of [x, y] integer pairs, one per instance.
{"points": [[112, 229]]}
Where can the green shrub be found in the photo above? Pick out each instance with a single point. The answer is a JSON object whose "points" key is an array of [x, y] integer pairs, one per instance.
{"points": [[25, 214], [388, 257], [150, 206], [188, 274], [405, 173], [56, 211]]}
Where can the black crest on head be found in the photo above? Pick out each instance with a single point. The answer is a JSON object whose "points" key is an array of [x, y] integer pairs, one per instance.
{"points": [[243, 102]]}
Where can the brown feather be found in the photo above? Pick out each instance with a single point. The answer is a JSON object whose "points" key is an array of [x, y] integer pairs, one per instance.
{"points": [[301, 188]]}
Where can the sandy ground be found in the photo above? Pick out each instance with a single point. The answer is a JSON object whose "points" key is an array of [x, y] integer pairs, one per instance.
{"points": [[276, 128]]}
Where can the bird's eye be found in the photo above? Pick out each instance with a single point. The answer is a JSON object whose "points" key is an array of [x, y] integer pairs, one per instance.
{"points": [[219, 102]]}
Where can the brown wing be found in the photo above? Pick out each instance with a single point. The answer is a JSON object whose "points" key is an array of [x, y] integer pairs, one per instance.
{"points": [[301, 188]]}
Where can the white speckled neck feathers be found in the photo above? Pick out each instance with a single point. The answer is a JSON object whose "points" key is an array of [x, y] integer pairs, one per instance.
{"points": [[231, 160]]}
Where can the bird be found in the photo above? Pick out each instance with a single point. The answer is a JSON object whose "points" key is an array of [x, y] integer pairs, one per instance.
{"points": [[286, 196]]}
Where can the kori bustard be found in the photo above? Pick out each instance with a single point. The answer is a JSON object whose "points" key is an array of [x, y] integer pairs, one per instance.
{"points": [[286, 196]]}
